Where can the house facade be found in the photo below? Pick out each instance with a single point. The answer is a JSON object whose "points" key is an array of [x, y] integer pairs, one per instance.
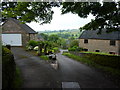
{"points": [[104, 42], [17, 34]]}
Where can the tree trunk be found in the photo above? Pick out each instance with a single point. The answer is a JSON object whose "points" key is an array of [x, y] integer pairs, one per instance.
{"points": [[45, 49], [40, 49]]}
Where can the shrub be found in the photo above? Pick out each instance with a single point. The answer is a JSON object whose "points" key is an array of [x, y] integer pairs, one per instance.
{"points": [[75, 48], [32, 43], [35, 48], [29, 47], [55, 49], [72, 49], [74, 43], [8, 68], [80, 49]]}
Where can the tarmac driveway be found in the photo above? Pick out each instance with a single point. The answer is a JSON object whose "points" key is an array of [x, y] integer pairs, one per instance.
{"points": [[38, 73]]}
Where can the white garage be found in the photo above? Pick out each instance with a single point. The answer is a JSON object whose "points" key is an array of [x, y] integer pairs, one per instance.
{"points": [[12, 39], [17, 34]]}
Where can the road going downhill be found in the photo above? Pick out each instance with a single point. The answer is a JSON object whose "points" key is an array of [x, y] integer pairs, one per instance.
{"points": [[38, 73]]}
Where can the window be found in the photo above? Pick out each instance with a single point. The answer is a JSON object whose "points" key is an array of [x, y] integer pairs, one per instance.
{"points": [[85, 40], [112, 43], [97, 50]]}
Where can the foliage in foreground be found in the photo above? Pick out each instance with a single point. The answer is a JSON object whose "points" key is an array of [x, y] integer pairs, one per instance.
{"points": [[28, 11], [106, 13], [10, 73], [8, 68], [104, 17]]}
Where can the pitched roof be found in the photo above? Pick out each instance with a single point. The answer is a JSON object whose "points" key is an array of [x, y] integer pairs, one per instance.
{"points": [[24, 26], [92, 34]]}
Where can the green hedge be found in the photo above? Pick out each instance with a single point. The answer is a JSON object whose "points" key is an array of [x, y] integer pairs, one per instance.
{"points": [[56, 49], [105, 60], [75, 48], [8, 68]]}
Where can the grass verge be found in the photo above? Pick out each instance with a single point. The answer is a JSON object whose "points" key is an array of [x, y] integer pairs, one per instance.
{"points": [[18, 79], [44, 57], [100, 53], [78, 58], [112, 73]]}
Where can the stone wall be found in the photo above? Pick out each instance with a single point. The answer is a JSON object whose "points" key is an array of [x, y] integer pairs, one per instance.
{"points": [[33, 37], [13, 28], [102, 45]]}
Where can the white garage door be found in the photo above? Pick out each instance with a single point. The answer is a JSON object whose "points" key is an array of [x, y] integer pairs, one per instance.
{"points": [[12, 39]]}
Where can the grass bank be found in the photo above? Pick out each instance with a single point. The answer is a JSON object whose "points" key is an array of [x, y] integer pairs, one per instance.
{"points": [[112, 73], [44, 57], [99, 53], [18, 79]]}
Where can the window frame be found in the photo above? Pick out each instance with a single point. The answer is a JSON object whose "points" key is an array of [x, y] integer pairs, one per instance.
{"points": [[85, 41], [112, 42]]}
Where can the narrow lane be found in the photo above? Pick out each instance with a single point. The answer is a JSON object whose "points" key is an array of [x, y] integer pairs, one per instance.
{"points": [[38, 73], [87, 77]]}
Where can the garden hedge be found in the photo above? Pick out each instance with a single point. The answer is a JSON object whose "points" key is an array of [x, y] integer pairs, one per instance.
{"points": [[8, 68], [105, 60]]}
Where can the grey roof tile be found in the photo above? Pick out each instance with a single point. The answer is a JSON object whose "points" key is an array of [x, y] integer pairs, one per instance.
{"points": [[24, 26], [92, 34]]}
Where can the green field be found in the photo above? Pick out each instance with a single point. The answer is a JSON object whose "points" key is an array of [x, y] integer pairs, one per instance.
{"points": [[64, 33]]}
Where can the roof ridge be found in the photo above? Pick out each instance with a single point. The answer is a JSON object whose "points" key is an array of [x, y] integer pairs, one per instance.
{"points": [[92, 34], [27, 28]]}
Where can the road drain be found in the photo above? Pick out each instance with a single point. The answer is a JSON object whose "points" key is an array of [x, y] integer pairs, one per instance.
{"points": [[70, 86]]}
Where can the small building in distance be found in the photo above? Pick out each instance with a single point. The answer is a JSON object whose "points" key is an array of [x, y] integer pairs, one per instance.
{"points": [[104, 42], [15, 33]]}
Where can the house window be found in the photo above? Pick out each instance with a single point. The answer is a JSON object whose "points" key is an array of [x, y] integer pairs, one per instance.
{"points": [[85, 40], [112, 43], [97, 50]]}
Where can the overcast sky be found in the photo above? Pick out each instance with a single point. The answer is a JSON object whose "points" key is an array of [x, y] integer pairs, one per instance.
{"points": [[60, 22]]}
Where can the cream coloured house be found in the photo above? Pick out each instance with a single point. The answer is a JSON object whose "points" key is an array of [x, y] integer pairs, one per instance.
{"points": [[104, 42]]}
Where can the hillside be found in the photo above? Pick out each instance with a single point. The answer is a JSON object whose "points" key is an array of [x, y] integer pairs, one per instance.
{"points": [[64, 33]]}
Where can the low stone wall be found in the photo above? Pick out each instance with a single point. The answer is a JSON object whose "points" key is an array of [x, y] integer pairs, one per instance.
{"points": [[8, 68], [104, 60]]}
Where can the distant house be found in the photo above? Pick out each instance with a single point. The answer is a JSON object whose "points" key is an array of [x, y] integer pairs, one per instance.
{"points": [[17, 34], [104, 42]]}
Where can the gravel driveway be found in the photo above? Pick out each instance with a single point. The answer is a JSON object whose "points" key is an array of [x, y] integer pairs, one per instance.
{"points": [[38, 73]]}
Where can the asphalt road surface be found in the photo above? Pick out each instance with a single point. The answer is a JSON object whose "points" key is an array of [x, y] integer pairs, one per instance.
{"points": [[37, 73]]}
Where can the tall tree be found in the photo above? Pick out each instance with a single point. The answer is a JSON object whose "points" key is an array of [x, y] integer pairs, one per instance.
{"points": [[106, 14], [29, 11], [53, 38]]}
